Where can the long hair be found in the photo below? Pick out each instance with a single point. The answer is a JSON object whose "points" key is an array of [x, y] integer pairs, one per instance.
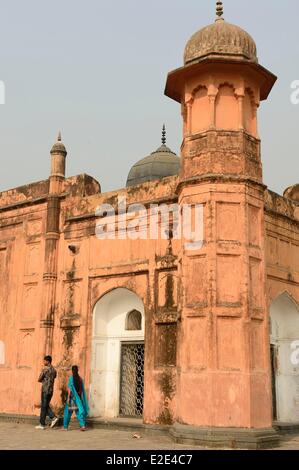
{"points": [[77, 379]]}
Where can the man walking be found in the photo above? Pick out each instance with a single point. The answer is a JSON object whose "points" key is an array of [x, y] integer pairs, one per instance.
{"points": [[47, 378]]}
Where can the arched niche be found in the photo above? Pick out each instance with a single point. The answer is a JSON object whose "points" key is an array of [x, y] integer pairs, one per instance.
{"points": [[284, 343], [134, 321], [226, 108], [112, 344], [200, 110]]}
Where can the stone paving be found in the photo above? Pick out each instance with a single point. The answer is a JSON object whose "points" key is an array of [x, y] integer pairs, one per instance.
{"points": [[14, 436], [26, 437]]}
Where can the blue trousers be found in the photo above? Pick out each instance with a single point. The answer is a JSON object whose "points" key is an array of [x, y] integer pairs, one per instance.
{"points": [[67, 417]]}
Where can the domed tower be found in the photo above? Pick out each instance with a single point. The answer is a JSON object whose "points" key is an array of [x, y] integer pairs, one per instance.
{"points": [[159, 164], [224, 376], [220, 88], [58, 157]]}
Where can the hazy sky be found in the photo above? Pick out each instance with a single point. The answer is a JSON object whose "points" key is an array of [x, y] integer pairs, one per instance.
{"points": [[97, 70]]}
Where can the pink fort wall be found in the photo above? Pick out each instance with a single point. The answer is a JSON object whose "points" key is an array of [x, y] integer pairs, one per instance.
{"points": [[206, 312]]}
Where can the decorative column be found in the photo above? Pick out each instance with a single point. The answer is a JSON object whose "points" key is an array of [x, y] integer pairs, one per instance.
{"points": [[212, 94], [189, 116], [56, 181], [240, 98], [255, 126]]}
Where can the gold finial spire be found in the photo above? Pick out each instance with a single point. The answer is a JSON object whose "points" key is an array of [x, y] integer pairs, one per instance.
{"points": [[163, 135], [59, 137], [219, 11]]}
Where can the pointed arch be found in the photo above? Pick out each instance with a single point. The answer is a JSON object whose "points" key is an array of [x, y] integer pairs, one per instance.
{"points": [[284, 315], [134, 321], [111, 342], [115, 303], [227, 108], [200, 110], [284, 340]]}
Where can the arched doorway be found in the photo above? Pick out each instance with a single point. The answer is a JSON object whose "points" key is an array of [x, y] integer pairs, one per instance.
{"points": [[117, 369], [284, 340]]}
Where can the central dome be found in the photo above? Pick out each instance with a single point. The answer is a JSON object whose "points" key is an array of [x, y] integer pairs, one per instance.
{"points": [[220, 39], [159, 164]]}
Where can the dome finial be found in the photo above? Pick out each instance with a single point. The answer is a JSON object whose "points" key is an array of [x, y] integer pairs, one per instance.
{"points": [[163, 134], [219, 11], [59, 137]]}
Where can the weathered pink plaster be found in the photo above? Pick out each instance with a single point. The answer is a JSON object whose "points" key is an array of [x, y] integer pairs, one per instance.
{"points": [[211, 306]]}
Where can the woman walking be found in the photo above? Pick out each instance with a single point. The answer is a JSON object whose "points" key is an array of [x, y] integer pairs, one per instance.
{"points": [[76, 401]]}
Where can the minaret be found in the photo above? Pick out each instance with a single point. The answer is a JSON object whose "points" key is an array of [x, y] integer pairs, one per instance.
{"points": [[56, 183], [224, 378], [58, 157]]}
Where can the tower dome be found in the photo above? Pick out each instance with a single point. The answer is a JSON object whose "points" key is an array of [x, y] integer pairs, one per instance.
{"points": [[59, 147], [159, 164], [220, 43], [220, 39]]}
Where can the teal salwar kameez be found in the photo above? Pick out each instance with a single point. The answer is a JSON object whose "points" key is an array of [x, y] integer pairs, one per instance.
{"points": [[81, 404]]}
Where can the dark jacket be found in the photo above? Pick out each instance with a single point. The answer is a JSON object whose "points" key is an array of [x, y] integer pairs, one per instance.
{"points": [[47, 378]]}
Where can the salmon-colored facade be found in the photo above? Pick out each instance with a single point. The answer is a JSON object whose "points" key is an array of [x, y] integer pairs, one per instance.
{"points": [[208, 348]]}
